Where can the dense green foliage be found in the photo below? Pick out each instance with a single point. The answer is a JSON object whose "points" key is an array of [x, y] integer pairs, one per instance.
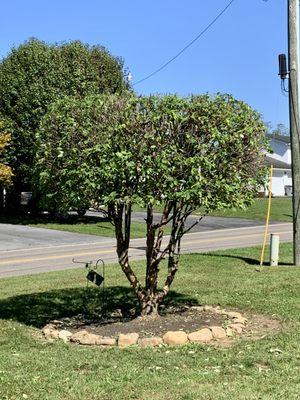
{"points": [[34, 75], [202, 150], [181, 153], [66, 161], [5, 170]]}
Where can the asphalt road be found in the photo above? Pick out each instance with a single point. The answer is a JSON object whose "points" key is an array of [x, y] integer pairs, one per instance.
{"points": [[206, 224], [54, 250], [18, 237]]}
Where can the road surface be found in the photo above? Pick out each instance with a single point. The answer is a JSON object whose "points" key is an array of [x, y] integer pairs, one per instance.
{"points": [[54, 250], [207, 223]]}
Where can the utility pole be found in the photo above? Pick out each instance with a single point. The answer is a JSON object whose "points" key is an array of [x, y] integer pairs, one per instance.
{"points": [[293, 35]]}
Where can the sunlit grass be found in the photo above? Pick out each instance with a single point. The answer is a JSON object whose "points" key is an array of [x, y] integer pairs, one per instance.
{"points": [[56, 371]]}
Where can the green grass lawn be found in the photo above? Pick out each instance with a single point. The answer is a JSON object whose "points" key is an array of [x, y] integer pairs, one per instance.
{"points": [[35, 370], [105, 228], [281, 210]]}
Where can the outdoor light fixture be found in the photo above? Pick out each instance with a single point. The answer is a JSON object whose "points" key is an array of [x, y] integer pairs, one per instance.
{"points": [[98, 279], [91, 276]]}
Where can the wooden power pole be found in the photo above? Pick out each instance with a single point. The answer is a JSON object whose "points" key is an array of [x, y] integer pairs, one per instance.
{"points": [[293, 35]]}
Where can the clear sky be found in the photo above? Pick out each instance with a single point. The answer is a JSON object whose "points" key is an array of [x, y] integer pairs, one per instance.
{"points": [[238, 55]]}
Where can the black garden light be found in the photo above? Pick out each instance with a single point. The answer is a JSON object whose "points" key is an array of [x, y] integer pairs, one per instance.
{"points": [[93, 276]]}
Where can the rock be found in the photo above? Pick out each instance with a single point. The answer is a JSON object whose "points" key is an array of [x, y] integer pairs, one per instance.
{"points": [[150, 342], [202, 336], [174, 338], [86, 338], [197, 308], [208, 308], [220, 311], [64, 335], [50, 332], [57, 322], [117, 313], [240, 320], [218, 332], [128, 340], [238, 328], [106, 341], [229, 332], [233, 314]]}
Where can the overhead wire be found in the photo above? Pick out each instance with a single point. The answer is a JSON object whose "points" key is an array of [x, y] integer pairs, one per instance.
{"points": [[187, 46]]}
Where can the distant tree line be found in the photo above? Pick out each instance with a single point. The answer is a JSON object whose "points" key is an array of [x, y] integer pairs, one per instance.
{"points": [[278, 130]]}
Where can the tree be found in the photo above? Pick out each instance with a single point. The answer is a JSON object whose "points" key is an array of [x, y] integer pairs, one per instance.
{"points": [[5, 170], [280, 130], [36, 74], [67, 162], [172, 152]]}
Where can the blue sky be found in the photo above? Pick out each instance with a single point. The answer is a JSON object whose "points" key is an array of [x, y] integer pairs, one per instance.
{"points": [[238, 55]]}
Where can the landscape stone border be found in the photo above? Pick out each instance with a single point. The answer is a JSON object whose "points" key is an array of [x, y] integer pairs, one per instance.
{"points": [[233, 326]]}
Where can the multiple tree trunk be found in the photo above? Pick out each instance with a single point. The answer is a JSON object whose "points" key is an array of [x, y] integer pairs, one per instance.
{"points": [[157, 249]]}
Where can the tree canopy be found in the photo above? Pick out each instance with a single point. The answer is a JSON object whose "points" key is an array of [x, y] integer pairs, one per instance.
{"points": [[179, 153], [5, 170], [34, 75]]}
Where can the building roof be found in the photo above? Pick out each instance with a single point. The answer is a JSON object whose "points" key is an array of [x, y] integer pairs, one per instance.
{"points": [[277, 163]]}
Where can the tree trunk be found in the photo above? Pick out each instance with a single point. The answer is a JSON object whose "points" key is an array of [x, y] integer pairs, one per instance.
{"points": [[149, 306], [149, 296]]}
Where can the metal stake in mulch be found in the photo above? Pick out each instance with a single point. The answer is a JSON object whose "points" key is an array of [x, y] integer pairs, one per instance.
{"points": [[94, 277]]}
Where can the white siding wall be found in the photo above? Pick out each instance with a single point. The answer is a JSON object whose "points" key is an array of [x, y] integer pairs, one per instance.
{"points": [[281, 178]]}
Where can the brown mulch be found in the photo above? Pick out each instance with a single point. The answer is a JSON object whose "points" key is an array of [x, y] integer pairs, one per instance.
{"points": [[186, 319]]}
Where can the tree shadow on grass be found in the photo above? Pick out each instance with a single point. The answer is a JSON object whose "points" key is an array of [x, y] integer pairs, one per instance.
{"points": [[70, 219], [247, 260], [37, 309]]}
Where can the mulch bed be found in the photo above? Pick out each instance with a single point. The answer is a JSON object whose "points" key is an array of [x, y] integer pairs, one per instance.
{"points": [[174, 319]]}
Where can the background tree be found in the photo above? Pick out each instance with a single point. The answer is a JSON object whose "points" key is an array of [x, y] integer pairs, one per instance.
{"points": [[34, 75], [69, 151], [280, 130], [5, 170], [176, 153]]}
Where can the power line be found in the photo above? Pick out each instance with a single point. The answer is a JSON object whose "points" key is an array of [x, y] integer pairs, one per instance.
{"points": [[187, 46]]}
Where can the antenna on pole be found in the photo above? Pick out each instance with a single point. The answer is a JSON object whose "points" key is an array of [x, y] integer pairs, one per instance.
{"points": [[283, 71]]}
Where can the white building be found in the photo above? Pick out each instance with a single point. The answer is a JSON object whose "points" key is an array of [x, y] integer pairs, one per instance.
{"points": [[281, 161]]}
